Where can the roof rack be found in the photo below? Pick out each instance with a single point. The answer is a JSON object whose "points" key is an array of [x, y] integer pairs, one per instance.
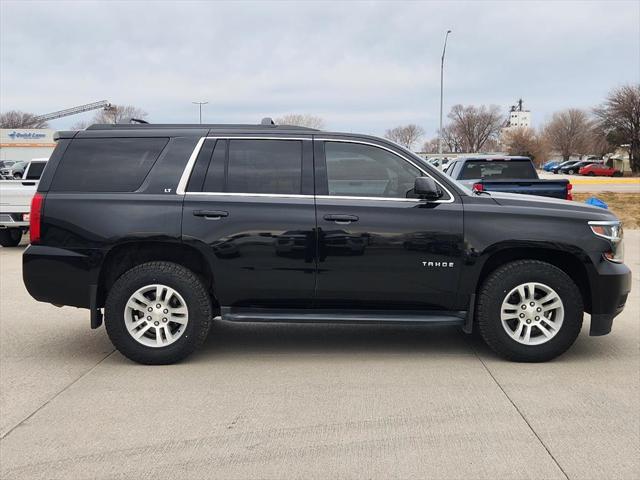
{"points": [[218, 126]]}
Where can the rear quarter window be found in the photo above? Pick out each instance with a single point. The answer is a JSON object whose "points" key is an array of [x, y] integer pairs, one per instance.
{"points": [[106, 164]]}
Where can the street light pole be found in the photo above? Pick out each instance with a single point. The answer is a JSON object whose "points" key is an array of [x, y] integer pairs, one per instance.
{"points": [[200, 107], [444, 49]]}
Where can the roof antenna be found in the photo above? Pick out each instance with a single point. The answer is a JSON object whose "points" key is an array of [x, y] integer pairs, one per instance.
{"points": [[267, 121]]}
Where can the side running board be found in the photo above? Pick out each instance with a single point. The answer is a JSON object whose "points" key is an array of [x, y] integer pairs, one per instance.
{"points": [[233, 314]]}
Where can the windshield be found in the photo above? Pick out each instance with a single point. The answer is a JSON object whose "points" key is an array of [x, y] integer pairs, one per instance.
{"points": [[498, 170]]}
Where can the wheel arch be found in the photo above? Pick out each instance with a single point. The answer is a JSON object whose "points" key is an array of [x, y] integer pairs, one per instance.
{"points": [[571, 262], [124, 256]]}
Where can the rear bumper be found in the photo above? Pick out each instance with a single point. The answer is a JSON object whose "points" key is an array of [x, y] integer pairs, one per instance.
{"points": [[60, 276], [12, 220], [610, 287]]}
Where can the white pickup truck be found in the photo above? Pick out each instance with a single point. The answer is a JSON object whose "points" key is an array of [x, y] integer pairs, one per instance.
{"points": [[15, 202]]}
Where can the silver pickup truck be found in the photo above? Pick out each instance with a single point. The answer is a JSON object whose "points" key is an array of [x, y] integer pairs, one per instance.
{"points": [[15, 202]]}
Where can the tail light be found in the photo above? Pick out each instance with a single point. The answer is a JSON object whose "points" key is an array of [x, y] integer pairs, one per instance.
{"points": [[478, 187], [35, 215], [569, 191]]}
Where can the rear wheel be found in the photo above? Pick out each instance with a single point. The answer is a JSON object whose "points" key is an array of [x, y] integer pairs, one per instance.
{"points": [[529, 311], [158, 313], [617, 174], [570, 171], [10, 237]]}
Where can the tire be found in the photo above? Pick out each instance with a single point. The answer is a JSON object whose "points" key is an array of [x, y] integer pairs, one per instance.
{"points": [[496, 289], [190, 336], [10, 237], [17, 176], [617, 174], [591, 174], [570, 171]]}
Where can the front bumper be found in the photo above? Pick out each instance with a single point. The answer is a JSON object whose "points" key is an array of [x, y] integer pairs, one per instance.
{"points": [[610, 287]]}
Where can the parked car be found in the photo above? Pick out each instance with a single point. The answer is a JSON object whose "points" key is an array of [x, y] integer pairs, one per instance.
{"points": [[600, 170], [549, 166], [506, 174], [13, 171], [557, 168], [6, 164], [15, 200], [127, 219], [575, 167], [441, 163]]}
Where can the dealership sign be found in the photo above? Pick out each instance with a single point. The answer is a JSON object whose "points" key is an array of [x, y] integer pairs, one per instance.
{"points": [[25, 138], [26, 135]]}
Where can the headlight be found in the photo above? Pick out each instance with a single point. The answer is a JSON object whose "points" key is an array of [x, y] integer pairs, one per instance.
{"points": [[611, 231]]}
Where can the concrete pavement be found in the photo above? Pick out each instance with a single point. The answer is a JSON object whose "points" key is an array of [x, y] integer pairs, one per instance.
{"points": [[311, 401]]}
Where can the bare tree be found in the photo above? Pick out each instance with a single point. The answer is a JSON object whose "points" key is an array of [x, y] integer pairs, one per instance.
{"points": [[118, 114], [17, 119], [619, 117], [452, 139], [405, 135], [568, 132], [80, 125], [475, 125], [430, 146], [525, 142], [301, 120], [600, 142]]}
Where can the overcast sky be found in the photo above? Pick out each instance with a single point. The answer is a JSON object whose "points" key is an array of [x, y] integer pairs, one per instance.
{"points": [[362, 66]]}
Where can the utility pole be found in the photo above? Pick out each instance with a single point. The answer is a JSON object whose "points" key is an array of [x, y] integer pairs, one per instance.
{"points": [[200, 107], [444, 49]]}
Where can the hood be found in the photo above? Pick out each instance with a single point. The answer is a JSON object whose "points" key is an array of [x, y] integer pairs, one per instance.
{"points": [[555, 205]]}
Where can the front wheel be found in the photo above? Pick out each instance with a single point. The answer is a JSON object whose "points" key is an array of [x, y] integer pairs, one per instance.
{"points": [[529, 311], [158, 313], [10, 237]]}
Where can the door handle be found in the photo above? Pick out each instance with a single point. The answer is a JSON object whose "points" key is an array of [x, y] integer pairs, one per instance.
{"points": [[341, 219], [211, 214]]}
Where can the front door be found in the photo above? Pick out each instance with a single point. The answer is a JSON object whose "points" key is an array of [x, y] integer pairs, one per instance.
{"points": [[249, 207], [378, 246]]}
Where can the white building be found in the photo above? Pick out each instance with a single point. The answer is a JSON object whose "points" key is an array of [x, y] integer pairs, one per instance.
{"points": [[26, 143], [519, 119]]}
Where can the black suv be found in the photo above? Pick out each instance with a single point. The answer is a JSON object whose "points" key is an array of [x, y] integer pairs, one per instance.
{"points": [[167, 226]]}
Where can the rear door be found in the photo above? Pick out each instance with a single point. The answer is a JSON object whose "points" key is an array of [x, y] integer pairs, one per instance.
{"points": [[249, 207]]}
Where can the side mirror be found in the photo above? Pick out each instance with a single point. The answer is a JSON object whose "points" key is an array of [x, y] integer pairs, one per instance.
{"points": [[427, 188]]}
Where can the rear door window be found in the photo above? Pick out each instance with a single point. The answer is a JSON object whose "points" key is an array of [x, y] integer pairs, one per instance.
{"points": [[263, 166], [107, 164]]}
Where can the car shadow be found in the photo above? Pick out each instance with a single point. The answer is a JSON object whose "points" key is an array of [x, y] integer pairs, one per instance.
{"points": [[231, 338]]}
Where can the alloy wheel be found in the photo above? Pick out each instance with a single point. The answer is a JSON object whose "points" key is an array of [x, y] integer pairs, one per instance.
{"points": [[156, 315], [532, 313]]}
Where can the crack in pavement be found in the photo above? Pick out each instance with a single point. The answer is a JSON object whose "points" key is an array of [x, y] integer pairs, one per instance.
{"points": [[6, 434], [519, 412]]}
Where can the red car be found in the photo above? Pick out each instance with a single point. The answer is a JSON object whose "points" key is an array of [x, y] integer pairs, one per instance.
{"points": [[599, 169]]}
